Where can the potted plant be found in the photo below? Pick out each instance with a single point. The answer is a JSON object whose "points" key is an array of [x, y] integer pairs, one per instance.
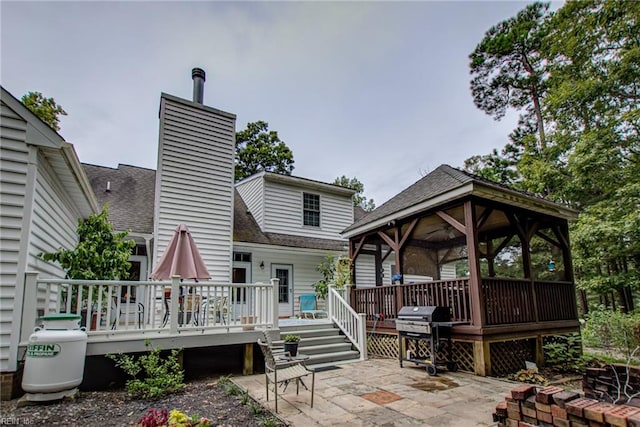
{"points": [[291, 342]]}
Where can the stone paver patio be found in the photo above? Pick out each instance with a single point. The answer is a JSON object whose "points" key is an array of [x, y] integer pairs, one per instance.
{"points": [[377, 392]]}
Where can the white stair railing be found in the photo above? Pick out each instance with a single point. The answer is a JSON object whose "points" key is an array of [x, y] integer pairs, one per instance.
{"points": [[352, 324]]}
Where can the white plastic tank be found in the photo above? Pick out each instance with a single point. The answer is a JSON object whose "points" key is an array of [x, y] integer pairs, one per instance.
{"points": [[55, 355]]}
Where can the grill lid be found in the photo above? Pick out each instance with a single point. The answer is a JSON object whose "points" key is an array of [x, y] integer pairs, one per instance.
{"points": [[425, 313]]}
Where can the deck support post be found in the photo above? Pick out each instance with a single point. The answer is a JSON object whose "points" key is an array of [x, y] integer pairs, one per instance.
{"points": [[247, 366], [539, 350], [481, 358]]}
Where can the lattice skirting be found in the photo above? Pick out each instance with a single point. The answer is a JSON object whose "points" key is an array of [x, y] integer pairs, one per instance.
{"points": [[506, 356], [386, 346], [382, 345], [509, 356]]}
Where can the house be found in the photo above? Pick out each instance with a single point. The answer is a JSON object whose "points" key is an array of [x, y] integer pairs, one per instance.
{"points": [[43, 193], [265, 226], [273, 242]]}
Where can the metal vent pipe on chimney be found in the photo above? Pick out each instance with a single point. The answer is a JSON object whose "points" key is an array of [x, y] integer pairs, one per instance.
{"points": [[198, 76]]}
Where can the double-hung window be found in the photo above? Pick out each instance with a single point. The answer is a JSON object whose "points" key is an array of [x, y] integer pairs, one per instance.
{"points": [[311, 209]]}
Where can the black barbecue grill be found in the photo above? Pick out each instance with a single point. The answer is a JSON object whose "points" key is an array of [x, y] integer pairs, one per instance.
{"points": [[421, 324]]}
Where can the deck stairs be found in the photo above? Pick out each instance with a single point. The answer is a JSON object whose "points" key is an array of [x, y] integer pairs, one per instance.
{"points": [[323, 342]]}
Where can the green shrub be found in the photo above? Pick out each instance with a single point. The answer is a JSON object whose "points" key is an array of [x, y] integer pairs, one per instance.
{"points": [[152, 375], [229, 387], [612, 330], [564, 353]]}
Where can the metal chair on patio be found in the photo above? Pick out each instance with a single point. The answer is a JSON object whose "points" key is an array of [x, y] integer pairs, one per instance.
{"points": [[276, 350], [279, 372]]}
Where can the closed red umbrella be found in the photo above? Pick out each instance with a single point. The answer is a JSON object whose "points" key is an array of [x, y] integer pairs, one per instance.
{"points": [[181, 258]]}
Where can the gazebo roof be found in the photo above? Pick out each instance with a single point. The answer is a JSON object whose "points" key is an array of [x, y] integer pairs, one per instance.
{"points": [[445, 185]]}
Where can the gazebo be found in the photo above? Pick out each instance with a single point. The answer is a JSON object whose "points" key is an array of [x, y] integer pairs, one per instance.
{"points": [[513, 290]]}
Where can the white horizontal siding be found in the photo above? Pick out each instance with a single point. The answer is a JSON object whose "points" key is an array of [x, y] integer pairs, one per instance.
{"points": [[283, 212], [195, 182], [14, 156], [365, 272], [365, 269], [252, 193], [304, 264], [54, 221], [448, 271]]}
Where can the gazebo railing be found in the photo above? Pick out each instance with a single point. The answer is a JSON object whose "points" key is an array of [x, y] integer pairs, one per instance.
{"points": [[506, 301], [509, 301], [383, 302]]}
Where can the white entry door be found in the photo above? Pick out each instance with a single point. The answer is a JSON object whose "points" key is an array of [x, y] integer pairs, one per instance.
{"points": [[284, 272], [241, 274]]}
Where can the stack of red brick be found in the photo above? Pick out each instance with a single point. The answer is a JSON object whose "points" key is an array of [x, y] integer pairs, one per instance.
{"points": [[605, 383], [552, 406]]}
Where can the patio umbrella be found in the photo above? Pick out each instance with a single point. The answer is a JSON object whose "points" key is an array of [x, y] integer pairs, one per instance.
{"points": [[181, 258]]}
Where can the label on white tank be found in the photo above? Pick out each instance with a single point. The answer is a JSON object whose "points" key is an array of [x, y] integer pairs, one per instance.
{"points": [[43, 350]]}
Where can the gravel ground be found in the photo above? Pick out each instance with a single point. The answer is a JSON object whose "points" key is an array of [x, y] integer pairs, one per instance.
{"points": [[205, 398]]}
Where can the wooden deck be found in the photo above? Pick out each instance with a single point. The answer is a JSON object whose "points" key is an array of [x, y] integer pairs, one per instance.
{"points": [[122, 316]]}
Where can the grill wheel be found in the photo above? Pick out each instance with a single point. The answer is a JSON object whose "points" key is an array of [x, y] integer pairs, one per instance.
{"points": [[432, 370]]}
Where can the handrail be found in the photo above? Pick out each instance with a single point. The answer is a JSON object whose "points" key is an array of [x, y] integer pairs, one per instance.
{"points": [[114, 307], [352, 324]]}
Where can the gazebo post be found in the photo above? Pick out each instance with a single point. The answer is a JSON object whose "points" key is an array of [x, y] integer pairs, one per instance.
{"points": [[478, 315], [481, 349]]}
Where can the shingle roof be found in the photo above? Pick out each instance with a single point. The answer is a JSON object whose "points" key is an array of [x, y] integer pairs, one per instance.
{"points": [[245, 227], [130, 196], [307, 242], [441, 181], [131, 200]]}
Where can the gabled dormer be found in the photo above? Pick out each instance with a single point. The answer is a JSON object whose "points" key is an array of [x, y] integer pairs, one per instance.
{"points": [[297, 206]]}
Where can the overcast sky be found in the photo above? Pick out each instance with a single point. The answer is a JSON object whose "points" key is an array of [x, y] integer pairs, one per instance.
{"points": [[375, 90]]}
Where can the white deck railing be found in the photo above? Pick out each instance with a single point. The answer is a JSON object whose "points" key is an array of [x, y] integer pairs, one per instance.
{"points": [[352, 324], [123, 307]]}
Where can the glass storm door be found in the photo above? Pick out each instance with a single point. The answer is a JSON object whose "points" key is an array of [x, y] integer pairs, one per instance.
{"points": [[285, 288]]}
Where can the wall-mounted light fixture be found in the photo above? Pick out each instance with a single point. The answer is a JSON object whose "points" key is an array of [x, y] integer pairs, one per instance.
{"points": [[261, 265]]}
